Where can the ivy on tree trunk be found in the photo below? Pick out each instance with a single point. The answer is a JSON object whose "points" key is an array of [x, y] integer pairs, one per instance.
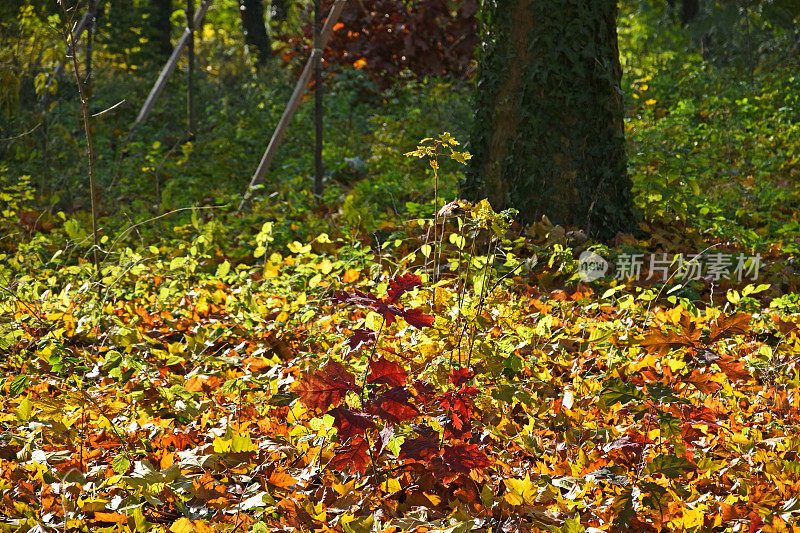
{"points": [[548, 137]]}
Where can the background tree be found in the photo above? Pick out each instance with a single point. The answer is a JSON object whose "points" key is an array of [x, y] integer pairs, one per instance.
{"points": [[255, 30], [548, 134], [160, 26]]}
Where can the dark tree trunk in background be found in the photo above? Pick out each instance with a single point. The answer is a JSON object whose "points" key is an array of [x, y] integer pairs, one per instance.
{"points": [[689, 9], [255, 29], [279, 10], [548, 136], [160, 26]]}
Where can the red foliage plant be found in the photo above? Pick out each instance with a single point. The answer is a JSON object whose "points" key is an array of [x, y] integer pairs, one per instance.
{"points": [[385, 37]]}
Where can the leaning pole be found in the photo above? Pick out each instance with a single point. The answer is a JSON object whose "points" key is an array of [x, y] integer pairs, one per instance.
{"points": [[294, 103]]}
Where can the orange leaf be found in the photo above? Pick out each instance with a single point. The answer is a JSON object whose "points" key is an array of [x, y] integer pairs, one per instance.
{"points": [[351, 275]]}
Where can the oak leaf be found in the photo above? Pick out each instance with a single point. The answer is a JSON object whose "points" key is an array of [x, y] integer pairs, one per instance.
{"points": [[354, 455], [386, 372]]}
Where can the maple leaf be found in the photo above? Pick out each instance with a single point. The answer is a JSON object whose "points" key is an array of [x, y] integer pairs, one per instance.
{"points": [[737, 324], [354, 455], [703, 381], [350, 423], [425, 390], [361, 337], [400, 285], [417, 318], [460, 376], [393, 405], [387, 372], [327, 387]]}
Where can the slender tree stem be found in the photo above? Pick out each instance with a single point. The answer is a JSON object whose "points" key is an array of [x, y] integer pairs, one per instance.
{"points": [[318, 169], [70, 38]]}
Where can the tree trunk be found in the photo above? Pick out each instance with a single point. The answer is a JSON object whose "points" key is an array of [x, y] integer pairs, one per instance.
{"points": [[255, 29], [548, 137], [161, 26]]}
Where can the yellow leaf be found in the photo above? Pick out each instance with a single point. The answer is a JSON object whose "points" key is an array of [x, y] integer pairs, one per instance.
{"points": [[182, 525], [651, 101], [520, 490]]}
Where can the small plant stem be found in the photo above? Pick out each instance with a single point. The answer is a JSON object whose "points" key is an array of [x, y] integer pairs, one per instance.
{"points": [[89, 141], [190, 57]]}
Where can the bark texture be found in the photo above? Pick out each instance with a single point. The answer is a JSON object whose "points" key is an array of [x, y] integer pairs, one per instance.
{"points": [[548, 137]]}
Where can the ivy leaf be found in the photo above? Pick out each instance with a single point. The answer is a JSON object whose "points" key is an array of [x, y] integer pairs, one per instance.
{"points": [[387, 372], [351, 456], [327, 387]]}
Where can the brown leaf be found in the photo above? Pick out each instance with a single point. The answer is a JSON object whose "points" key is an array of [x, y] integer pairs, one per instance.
{"points": [[656, 341], [733, 369], [737, 324]]}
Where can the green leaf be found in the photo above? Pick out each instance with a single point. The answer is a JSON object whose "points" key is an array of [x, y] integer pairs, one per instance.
{"points": [[18, 384], [223, 269], [617, 391], [177, 262], [120, 464], [671, 466]]}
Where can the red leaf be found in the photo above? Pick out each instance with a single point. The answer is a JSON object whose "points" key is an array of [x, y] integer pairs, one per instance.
{"points": [[737, 324], [388, 312], [393, 405], [460, 376], [388, 372], [416, 318], [327, 387], [350, 423], [351, 456], [425, 390], [462, 458], [419, 449], [361, 337], [399, 285]]}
